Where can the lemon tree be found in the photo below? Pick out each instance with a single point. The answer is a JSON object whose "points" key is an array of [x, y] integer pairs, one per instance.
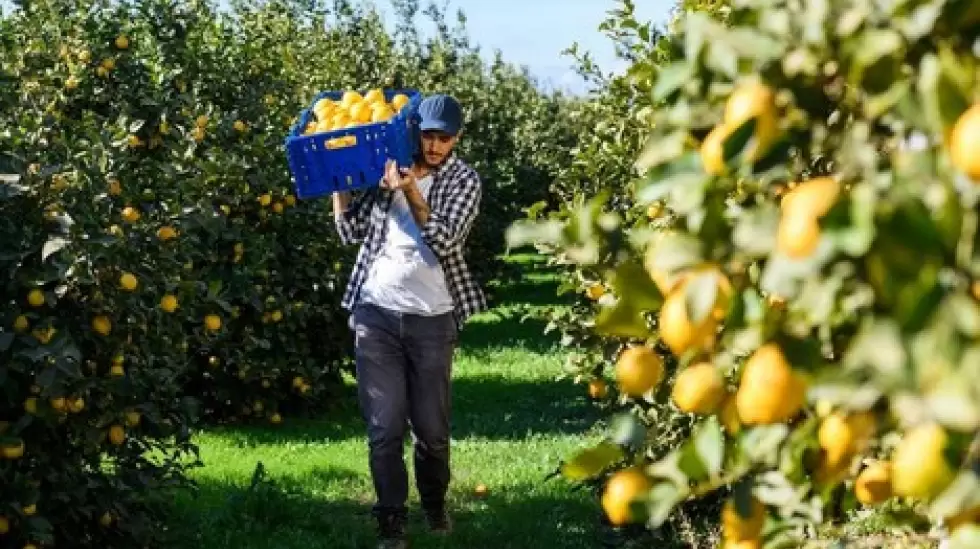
{"points": [[157, 274], [813, 243]]}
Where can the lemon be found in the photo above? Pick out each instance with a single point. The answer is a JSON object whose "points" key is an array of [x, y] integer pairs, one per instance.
{"points": [[168, 303], [374, 96], [712, 151], [166, 233], [678, 331], [360, 112], [350, 98], [381, 113], [117, 435], [770, 391], [598, 389], [964, 142], [736, 527], [133, 419], [130, 214], [12, 451], [122, 42], [873, 484], [102, 325], [699, 389], [595, 291], [128, 282], [399, 101], [919, 466], [212, 323], [842, 436], [638, 370], [754, 100], [623, 488], [240, 126], [35, 298], [21, 324]]}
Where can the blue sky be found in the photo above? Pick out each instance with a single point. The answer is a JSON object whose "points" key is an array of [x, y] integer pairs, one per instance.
{"points": [[534, 32]]}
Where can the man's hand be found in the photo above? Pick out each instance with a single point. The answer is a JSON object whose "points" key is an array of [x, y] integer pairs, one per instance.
{"points": [[396, 178], [405, 180]]}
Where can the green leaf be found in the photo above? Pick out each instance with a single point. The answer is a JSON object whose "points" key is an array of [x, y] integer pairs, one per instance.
{"points": [[761, 444], [670, 79], [53, 246], [921, 22], [755, 231], [878, 346], [709, 441], [961, 495], [590, 462], [659, 150], [742, 498], [621, 320], [662, 500], [691, 465], [941, 98], [673, 252], [965, 537], [736, 141], [701, 293], [877, 58], [630, 278], [6, 340], [627, 430]]}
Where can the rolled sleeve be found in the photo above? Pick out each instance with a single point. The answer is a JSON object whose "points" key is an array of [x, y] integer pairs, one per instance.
{"points": [[352, 224], [450, 223]]}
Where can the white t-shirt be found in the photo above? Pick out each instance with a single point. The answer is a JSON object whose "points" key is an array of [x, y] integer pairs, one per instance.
{"points": [[406, 276]]}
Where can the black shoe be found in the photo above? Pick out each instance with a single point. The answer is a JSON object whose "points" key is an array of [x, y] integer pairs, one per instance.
{"points": [[391, 532], [439, 521]]}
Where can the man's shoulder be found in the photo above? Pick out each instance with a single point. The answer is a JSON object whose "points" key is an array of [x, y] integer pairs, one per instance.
{"points": [[460, 170]]}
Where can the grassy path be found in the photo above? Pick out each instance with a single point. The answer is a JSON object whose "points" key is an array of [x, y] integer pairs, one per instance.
{"points": [[512, 422]]}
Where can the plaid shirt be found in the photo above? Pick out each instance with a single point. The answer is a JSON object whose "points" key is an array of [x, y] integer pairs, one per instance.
{"points": [[454, 201]]}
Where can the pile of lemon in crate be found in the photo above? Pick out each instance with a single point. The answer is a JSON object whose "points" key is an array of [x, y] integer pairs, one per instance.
{"points": [[352, 110]]}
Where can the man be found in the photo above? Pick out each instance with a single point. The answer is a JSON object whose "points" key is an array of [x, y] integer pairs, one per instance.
{"points": [[410, 293]]}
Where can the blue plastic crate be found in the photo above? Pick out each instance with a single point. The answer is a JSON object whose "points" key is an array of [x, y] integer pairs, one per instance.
{"points": [[318, 170]]}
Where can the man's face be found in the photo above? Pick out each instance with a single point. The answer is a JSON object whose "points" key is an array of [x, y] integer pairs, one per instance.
{"points": [[436, 147]]}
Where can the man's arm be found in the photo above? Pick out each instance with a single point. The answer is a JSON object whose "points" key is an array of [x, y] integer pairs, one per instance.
{"points": [[351, 215], [447, 227], [416, 203]]}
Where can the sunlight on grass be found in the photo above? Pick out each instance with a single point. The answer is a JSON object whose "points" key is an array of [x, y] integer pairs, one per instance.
{"points": [[306, 484]]}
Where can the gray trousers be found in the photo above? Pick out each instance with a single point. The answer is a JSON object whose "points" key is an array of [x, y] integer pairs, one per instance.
{"points": [[404, 365]]}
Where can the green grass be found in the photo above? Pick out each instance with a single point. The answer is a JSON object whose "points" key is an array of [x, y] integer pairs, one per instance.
{"points": [[512, 423]]}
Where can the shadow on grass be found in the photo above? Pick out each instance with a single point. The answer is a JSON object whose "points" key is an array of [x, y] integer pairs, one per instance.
{"points": [[497, 408], [268, 514], [485, 407], [499, 329]]}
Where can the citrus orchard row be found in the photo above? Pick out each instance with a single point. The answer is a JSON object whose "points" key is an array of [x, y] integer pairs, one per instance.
{"points": [[158, 273], [794, 269]]}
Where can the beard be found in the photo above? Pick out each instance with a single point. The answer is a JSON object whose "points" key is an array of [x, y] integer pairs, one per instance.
{"points": [[433, 160]]}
